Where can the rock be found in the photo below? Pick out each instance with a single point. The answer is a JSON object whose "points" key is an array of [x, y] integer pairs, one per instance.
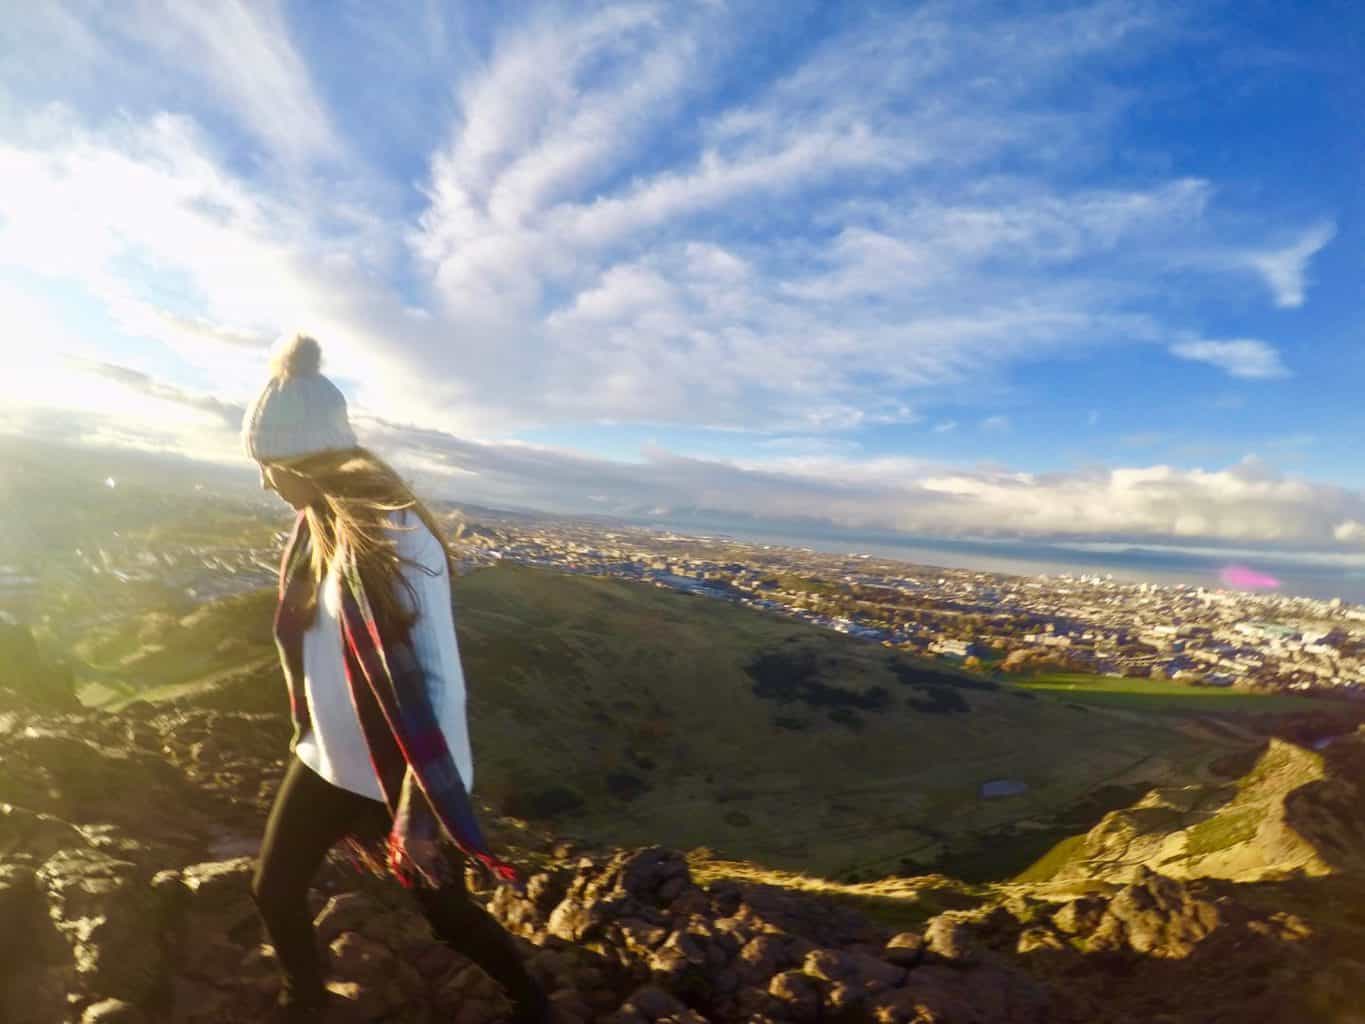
{"points": [[22, 909], [845, 1001], [34, 835], [799, 993], [113, 1011], [904, 949], [172, 900], [37, 968], [760, 958], [949, 935], [358, 958], [216, 885], [727, 981], [670, 889], [1038, 938], [545, 889], [401, 930], [344, 912], [641, 936], [1155, 916], [198, 1002], [1080, 916], [357, 1002], [437, 960], [107, 912], [204, 954], [752, 1001], [689, 901], [732, 933], [682, 964], [947, 995], [653, 1002], [857, 969]]}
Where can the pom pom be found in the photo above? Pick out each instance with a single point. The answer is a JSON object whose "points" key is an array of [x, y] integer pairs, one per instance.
{"points": [[300, 356]]}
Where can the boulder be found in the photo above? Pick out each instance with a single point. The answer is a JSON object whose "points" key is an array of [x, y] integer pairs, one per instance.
{"points": [[107, 912], [1155, 916], [905, 949]]}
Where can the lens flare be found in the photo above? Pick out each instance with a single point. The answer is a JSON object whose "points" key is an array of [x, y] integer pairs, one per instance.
{"points": [[1247, 579]]}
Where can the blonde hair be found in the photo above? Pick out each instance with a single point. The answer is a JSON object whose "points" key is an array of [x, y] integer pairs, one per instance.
{"points": [[358, 490]]}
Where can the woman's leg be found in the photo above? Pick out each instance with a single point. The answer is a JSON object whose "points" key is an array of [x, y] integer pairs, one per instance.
{"points": [[463, 924], [309, 815]]}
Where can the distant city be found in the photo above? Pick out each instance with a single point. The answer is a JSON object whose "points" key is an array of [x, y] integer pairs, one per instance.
{"points": [[970, 617], [1086, 623]]}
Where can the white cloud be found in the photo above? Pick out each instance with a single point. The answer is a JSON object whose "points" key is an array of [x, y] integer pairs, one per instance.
{"points": [[823, 252], [995, 424], [1243, 357], [1246, 502], [243, 51], [1286, 269], [1349, 531]]}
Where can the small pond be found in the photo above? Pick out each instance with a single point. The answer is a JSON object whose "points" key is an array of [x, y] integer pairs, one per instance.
{"points": [[1002, 787]]}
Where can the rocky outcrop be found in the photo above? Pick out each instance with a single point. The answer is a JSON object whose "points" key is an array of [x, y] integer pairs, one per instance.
{"points": [[126, 856], [1294, 810]]}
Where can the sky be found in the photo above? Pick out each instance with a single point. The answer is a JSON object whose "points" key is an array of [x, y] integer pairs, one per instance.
{"points": [[947, 269]]}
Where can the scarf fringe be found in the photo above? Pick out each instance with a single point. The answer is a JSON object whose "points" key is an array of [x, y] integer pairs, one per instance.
{"points": [[386, 858]]}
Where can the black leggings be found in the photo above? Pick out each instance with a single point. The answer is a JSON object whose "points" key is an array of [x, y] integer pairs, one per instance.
{"points": [[308, 817]]}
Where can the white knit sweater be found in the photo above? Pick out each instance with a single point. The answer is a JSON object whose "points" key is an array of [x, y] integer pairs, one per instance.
{"points": [[333, 745]]}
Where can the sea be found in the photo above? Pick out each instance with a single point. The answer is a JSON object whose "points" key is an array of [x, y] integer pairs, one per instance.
{"points": [[1311, 574]]}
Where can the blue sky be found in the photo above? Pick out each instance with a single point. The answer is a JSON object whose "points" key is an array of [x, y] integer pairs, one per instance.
{"points": [[1086, 270]]}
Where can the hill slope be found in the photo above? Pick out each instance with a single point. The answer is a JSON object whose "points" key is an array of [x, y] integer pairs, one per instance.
{"points": [[634, 714]]}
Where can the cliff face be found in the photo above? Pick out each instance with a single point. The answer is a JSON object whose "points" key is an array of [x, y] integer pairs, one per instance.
{"points": [[127, 844]]}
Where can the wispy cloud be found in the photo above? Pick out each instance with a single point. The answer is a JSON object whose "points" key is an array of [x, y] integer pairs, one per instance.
{"points": [[1244, 357], [243, 52], [1286, 269], [230, 413], [576, 214]]}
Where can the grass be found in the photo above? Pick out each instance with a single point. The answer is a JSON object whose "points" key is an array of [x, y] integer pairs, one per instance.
{"points": [[159, 649], [573, 681], [1051, 862], [1223, 830], [1161, 696], [895, 903]]}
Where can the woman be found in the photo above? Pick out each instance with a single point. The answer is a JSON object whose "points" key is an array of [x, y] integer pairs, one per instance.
{"points": [[367, 642]]}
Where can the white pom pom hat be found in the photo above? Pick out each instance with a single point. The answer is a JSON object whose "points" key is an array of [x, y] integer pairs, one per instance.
{"points": [[300, 411]]}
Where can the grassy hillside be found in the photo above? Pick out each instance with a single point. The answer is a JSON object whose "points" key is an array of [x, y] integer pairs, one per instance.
{"points": [[631, 714], [158, 653]]}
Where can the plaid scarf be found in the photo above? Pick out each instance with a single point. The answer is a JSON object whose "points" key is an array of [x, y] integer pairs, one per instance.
{"points": [[417, 774]]}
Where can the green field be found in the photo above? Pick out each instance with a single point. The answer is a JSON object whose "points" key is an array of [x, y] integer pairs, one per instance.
{"points": [[1162, 696]]}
